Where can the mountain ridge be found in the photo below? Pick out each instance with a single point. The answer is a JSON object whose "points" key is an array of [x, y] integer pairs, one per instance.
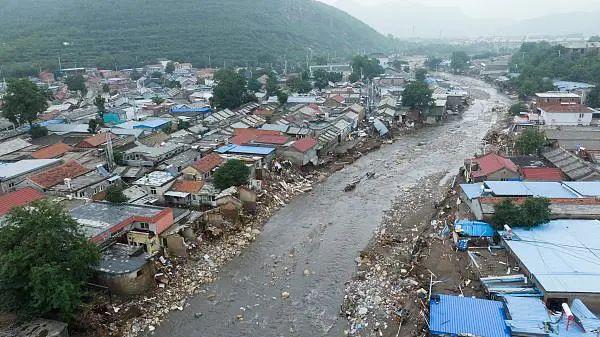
{"points": [[123, 33]]}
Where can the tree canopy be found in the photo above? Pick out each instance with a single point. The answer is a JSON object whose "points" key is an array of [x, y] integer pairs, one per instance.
{"points": [[367, 67], [76, 83], [530, 141], [233, 173], [533, 212], [322, 78], [170, 68], [282, 97], [459, 61], [38, 131], [421, 74], [301, 84], [115, 195], [433, 62], [517, 108], [23, 101], [100, 103], [45, 260], [230, 91], [417, 95]]}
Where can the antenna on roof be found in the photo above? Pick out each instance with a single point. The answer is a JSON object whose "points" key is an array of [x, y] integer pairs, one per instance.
{"points": [[109, 151]]}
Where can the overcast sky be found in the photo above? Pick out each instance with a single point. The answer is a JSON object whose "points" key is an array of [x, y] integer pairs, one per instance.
{"points": [[517, 9]]}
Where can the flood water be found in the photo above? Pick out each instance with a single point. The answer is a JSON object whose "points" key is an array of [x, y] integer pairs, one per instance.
{"points": [[323, 232]]}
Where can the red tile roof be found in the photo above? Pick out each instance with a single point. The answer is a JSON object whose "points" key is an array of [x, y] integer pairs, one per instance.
{"points": [[57, 175], [18, 198], [566, 108], [338, 98], [52, 151], [491, 163], [187, 186], [208, 163], [271, 139], [542, 174], [95, 140], [245, 136], [305, 144]]}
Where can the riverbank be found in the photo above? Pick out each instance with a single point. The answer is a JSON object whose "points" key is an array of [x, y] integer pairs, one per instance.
{"points": [[410, 257]]}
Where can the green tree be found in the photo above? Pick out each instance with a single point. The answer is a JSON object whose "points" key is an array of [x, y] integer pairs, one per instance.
{"points": [[368, 67], [354, 77], [76, 83], [45, 261], [170, 68], [517, 108], [135, 75], [38, 131], [272, 86], [118, 155], [433, 62], [593, 98], [105, 88], [459, 61], [230, 91], [100, 103], [421, 74], [506, 213], [530, 141], [417, 95], [254, 85], [301, 84], [398, 64], [157, 100], [115, 195], [93, 125], [181, 125], [233, 173], [282, 97], [23, 101], [535, 212]]}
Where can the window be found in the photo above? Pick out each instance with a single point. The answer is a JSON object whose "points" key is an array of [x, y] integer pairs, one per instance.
{"points": [[81, 194], [581, 115], [11, 184], [153, 190], [144, 225]]}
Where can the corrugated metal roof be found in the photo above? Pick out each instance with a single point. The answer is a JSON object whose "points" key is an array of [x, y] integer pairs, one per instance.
{"points": [[524, 189], [526, 309], [460, 315], [584, 316], [562, 255], [472, 191], [587, 188]]}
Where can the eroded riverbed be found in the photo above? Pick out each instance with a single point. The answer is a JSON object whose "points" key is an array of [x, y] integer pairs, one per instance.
{"points": [[308, 248]]}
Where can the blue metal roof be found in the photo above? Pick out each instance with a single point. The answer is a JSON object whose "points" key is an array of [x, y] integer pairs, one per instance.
{"points": [[185, 109], [474, 228], [472, 191], [256, 150], [585, 188], [561, 255], [526, 309], [570, 86], [530, 189], [454, 315]]}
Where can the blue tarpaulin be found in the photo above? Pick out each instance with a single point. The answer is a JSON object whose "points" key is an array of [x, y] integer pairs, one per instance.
{"points": [[474, 228], [454, 315]]}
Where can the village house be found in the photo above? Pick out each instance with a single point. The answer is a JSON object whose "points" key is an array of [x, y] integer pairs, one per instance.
{"points": [[555, 97], [143, 155], [562, 275], [203, 168], [125, 269], [191, 193], [571, 200], [567, 114], [51, 177], [12, 174], [490, 167], [20, 197], [302, 152], [52, 151], [156, 184]]}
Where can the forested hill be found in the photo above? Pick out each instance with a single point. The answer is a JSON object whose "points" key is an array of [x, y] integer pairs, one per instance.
{"points": [[128, 32]]}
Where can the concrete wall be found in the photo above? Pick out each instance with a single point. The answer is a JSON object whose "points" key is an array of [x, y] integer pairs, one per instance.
{"points": [[129, 284], [563, 118]]}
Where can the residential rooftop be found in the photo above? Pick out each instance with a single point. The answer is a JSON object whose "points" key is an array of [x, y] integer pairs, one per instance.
{"points": [[560, 255], [155, 178], [11, 170]]}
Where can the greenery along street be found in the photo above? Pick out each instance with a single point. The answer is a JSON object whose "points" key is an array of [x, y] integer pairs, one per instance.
{"points": [[540, 63]]}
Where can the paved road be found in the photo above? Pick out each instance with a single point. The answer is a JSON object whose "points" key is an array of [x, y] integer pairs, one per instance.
{"points": [[324, 231]]}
